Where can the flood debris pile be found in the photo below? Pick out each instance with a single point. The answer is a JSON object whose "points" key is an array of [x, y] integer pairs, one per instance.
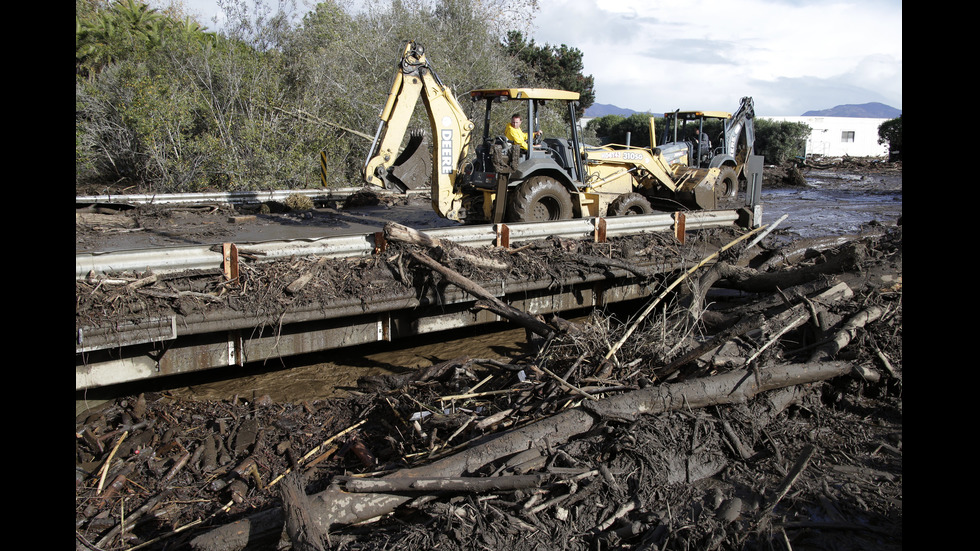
{"points": [[749, 404], [793, 173], [265, 291]]}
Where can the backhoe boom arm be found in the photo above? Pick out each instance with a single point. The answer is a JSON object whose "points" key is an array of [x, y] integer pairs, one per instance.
{"points": [[450, 132]]}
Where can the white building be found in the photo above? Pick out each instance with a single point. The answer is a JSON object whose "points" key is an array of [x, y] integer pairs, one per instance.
{"points": [[839, 136]]}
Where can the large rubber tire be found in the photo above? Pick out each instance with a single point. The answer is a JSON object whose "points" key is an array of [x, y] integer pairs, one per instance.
{"points": [[727, 185], [629, 203], [540, 199]]}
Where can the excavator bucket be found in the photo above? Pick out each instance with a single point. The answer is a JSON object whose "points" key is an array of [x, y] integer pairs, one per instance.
{"points": [[413, 167], [705, 194], [696, 187]]}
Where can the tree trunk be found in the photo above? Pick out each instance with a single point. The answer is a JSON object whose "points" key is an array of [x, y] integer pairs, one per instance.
{"points": [[303, 531], [403, 234]]}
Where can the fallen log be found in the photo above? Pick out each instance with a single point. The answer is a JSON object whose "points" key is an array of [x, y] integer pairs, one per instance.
{"points": [[444, 484], [787, 319], [761, 304], [334, 506], [303, 532], [751, 280], [844, 256], [848, 332], [730, 388], [799, 249], [402, 234], [494, 304]]}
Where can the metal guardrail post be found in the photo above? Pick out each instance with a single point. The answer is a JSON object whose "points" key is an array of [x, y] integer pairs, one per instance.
{"points": [[503, 235], [600, 229], [380, 243], [680, 226], [230, 261]]}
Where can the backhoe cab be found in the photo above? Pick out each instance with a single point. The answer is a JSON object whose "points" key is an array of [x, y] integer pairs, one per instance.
{"points": [[534, 184], [556, 178]]}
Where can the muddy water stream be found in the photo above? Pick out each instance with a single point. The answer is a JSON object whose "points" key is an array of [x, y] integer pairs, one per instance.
{"points": [[328, 374], [833, 204]]}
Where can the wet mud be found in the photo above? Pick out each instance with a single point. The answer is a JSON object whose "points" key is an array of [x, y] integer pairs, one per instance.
{"points": [[810, 466]]}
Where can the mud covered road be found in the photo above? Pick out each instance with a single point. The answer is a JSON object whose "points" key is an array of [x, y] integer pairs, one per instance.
{"points": [[809, 338], [838, 199]]}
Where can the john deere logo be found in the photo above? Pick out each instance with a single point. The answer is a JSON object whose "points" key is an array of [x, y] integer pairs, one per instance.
{"points": [[446, 151]]}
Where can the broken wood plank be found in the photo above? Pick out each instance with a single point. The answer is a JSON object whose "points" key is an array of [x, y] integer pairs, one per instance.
{"points": [[300, 282]]}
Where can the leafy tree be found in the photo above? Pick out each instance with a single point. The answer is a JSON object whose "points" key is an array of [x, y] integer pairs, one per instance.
{"points": [[141, 117], [256, 23], [551, 67], [890, 132], [125, 28], [779, 141], [340, 65], [322, 60], [134, 122], [612, 129], [603, 128]]}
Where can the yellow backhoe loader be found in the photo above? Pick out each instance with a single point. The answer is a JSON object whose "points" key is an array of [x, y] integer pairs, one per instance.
{"points": [[736, 147], [495, 180]]}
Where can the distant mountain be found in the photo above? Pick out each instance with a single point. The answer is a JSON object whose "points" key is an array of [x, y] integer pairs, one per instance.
{"points": [[603, 109], [872, 110]]}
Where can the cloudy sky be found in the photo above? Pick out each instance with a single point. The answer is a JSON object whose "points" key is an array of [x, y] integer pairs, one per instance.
{"points": [[791, 56]]}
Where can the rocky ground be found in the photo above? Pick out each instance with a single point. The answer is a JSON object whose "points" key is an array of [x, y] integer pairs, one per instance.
{"points": [[781, 458]]}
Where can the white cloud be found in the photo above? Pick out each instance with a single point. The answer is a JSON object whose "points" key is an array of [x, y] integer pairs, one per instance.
{"points": [[789, 55]]}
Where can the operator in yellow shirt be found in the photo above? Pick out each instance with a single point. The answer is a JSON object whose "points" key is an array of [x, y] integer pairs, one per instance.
{"points": [[514, 132]]}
